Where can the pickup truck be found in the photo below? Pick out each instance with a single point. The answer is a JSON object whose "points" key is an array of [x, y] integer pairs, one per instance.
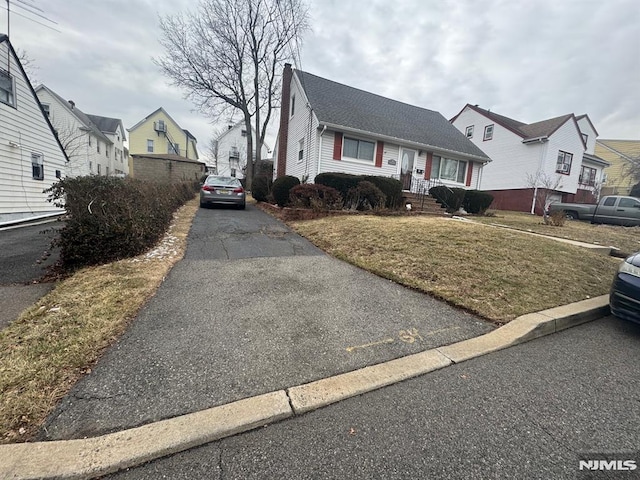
{"points": [[613, 209]]}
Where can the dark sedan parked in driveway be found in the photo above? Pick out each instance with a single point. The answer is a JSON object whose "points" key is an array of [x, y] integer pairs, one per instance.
{"points": [[222, 191], [624, 298]]}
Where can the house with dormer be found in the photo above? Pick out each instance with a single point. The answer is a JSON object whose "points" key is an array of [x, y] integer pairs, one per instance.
{"points": [[326, 126], [31, 156], [556, 154]]}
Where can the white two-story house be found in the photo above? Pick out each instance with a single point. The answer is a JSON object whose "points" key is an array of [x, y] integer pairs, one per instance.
{"points": [[230, 150], [89, 150], [31, 157], [555, 155], [113, 129]]}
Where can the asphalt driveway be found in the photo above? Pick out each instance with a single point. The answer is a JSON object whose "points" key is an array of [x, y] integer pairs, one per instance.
{"points": [[252, 308]]}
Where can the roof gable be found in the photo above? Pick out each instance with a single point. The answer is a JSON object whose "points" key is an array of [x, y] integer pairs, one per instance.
{"points": [[5, 39], [76, 112], [107, 124], [343, 106], [584, 115]]}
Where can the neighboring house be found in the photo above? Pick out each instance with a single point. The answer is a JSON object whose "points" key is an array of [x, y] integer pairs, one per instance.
{"points": [[113, 129], [329, 127], [556, 155], [623, 155], [165, 168], [31, 157], [90, 151], [231, 150], [158, 133]]}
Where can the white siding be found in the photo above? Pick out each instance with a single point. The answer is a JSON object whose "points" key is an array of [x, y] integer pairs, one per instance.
{"points": [[233, 139], [585, 127], [511, 161], [25, 127], [303, 125], [568, 139], [81, 145]]}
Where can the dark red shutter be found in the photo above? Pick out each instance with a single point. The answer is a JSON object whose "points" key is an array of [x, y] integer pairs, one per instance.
{"points": [[337, 146], [427, 166], [469, 173], [379, 154]]}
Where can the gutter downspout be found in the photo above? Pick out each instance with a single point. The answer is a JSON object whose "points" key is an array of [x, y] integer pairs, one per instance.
{"points": [[320, 151]]}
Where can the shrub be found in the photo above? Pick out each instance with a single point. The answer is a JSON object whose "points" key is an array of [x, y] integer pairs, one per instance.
{"points": [[391, 187], [342, 182], [558, 218], [282, 187], [366, 196], [635, 191], [451, 198], [261, 188], [112, 218], [315, 196], [476, 202]]}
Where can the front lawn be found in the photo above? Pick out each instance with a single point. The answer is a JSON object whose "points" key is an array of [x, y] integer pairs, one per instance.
{"points": [[627, 239], [496, 273]]}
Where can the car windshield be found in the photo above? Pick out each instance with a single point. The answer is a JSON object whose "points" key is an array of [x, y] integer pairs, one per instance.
{"points": [[230, 181]]}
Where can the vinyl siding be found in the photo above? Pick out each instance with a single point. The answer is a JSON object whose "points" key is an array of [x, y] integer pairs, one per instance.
{"points": [[567, 139], [511, 159], [303, 125], [234, 138], [21, 196], [618, 182], [585, 127], [139, 136]]}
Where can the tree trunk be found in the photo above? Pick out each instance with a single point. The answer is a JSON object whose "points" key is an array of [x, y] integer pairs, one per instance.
{"points": [[249, 167]]}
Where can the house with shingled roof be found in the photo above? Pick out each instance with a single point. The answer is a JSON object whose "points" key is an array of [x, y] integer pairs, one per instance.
{"points": [[91, 151], [556, 154], [624, 156], [326, 126]]}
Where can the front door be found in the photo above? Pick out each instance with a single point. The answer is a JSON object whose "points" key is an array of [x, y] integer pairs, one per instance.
{"points": [[406, 168]]}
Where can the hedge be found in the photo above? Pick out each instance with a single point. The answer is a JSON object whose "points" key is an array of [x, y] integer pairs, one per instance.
{"points": [[366, 196], [282, 187], [112, 218], [451, 198], [476, 201], [261, 188], [315, 196], [344, 182]]}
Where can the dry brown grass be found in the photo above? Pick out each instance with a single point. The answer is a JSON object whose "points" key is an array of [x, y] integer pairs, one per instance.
{"points": [[627, 239], [496, 273], [60, 338]]}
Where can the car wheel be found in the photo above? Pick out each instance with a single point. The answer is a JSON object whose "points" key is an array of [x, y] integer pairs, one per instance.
{"points": [[243, 206], [203, 205], [571, 216]]}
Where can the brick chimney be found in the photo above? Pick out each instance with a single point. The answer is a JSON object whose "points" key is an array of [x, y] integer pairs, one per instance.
{"points": [[283, 137]]}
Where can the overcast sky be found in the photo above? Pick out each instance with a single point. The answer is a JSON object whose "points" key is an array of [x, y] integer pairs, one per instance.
{"points": [[529, 60]]}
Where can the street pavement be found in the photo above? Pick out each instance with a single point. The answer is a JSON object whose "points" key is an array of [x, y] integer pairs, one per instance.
{"points": [[526, 412], [252, 308], [22, 263]]}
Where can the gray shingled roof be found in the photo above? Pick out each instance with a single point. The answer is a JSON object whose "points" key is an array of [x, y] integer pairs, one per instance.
{"points": [[543, 128], [107, 124], [349, 107]]}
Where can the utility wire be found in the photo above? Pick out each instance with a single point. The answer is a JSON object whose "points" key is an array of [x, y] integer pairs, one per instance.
{"points": [[34, 13], [35, 21]]}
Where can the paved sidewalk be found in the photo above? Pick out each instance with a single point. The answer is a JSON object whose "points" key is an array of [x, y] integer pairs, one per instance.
{"points": [[252, 308]]}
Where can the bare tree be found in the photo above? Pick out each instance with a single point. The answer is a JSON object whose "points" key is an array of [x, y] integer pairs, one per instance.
{"points": [[227, 56], [73, 141], [544, 186], [29, 65]]}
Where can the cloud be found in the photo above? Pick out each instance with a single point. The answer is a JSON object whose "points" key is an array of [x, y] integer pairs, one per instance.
{"points": [[527, 60]]}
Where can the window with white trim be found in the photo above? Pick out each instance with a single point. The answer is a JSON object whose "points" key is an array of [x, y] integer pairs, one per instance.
{"points": [[449, 169], [587, 176], [585, 137], [47, 109], [358, 149], [37, 166], [149, 146], [99, 169], [7, 88], [293, 104], [563, 165], [488, 132], [469, 131]]}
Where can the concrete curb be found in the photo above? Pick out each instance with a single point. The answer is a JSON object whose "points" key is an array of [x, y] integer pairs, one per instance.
{"points": [[93, 457]]}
